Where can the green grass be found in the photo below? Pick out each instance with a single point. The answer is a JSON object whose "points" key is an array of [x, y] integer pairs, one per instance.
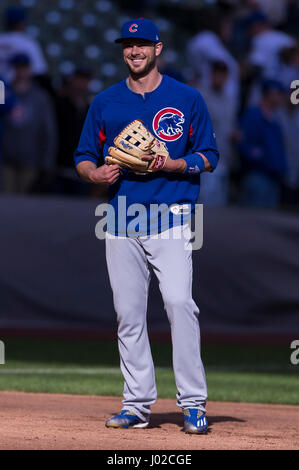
{"points": [[234, 372]]}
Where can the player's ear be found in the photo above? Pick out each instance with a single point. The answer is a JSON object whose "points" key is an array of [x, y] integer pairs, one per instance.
{"points": [[158, 48]]}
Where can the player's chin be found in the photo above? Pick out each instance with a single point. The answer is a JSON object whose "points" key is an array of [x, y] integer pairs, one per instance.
{"points": [[137, 68]]}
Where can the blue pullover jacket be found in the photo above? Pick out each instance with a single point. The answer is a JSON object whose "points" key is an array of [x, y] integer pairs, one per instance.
{"points": [[176, 114]]}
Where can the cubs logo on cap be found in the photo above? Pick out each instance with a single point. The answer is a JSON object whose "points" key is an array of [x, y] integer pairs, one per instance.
{"points": [[133, 28], [141, 29]]}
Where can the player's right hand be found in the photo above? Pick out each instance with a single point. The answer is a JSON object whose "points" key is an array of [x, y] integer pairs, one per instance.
{"points": [[105, 174]]}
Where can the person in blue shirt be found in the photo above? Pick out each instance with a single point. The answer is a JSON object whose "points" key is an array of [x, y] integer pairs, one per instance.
{"points": [[176, 114], [262, 149]]}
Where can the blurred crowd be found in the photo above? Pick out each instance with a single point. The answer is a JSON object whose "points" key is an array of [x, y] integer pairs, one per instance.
{"points": [[243, 61]]}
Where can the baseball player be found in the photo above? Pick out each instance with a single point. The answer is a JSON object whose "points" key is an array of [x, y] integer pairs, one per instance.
{"points": [[176, 116]]}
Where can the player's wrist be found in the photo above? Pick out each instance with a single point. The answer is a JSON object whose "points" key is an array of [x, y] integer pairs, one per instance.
{"points": [[175, 166], [84, 170], [93, 176]]}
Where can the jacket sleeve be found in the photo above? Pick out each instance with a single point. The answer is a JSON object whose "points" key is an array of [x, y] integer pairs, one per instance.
{"points": [[202, 140], [90, 143]]}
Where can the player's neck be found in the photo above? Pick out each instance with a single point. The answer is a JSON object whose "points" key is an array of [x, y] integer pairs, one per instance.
{"points": [[145, 84]]}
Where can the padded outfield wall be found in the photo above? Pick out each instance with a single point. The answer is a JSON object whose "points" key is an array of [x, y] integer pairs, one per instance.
{"points": [[53, 270]]}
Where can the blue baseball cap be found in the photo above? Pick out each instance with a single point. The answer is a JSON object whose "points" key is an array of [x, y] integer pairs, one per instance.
{"points": [[270, 84], [255, 18], [141, 29]]}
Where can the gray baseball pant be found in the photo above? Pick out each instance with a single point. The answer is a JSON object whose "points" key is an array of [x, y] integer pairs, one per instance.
{"points": [[128, 262]]}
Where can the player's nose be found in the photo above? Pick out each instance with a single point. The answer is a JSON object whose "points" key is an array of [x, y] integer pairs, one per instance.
{"points": [[135, 50]]}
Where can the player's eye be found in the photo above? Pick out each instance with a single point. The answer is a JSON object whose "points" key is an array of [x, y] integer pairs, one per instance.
{"points": [[140, 46], [146, 44]]}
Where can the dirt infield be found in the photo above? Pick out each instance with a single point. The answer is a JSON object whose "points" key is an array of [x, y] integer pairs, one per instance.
{"points": [[46, 421]]}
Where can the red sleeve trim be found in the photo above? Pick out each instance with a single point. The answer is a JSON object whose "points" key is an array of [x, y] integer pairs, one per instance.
{"points": [[102, 137], [190, 130]]}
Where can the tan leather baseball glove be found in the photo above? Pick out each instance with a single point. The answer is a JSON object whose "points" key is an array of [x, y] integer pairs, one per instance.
{"points": [[134, 141]]}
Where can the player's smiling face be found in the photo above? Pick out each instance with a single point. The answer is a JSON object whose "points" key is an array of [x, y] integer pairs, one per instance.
{"points": [[140, 55]]}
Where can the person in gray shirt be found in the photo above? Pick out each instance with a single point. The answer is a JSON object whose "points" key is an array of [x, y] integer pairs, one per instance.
{"points": [[223, 110]]}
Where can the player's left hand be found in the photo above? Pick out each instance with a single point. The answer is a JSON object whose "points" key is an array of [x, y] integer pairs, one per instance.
{"points": [[171, 166]]}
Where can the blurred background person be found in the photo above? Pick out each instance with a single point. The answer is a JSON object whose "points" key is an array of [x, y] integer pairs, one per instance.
{"points": [[275, 10], [15, 40], [29, 140], [264, 56], [266, 44], [209, 46], [262, 149], [71, 109], [223, 111]]}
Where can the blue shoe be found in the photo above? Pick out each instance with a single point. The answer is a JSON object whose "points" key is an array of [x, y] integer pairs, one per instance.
{"points": [[195, 421], [126, 419]]}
